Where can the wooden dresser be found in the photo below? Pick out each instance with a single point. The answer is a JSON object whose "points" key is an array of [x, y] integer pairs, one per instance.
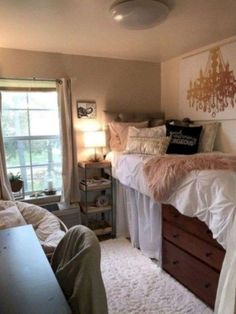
{"points": [[190, 254]]}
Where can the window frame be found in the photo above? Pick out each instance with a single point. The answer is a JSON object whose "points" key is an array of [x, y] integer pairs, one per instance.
{"points": [[30, 137]]}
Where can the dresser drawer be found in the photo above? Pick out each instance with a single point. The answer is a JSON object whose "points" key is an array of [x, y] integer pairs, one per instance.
{"points": [[195, 275], [202, 250], [189, 224]]}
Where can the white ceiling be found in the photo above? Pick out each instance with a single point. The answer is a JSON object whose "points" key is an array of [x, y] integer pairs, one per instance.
{"points": [[85, 27]]}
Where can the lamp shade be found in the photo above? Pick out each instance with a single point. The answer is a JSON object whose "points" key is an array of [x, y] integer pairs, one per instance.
{"points": [[94, 139]]}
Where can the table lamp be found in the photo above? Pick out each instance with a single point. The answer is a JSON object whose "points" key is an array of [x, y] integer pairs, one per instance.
{"points": [[95, 139]]}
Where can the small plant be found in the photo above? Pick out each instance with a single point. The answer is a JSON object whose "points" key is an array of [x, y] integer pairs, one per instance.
{"points": [[14, 177], [15, 181]]}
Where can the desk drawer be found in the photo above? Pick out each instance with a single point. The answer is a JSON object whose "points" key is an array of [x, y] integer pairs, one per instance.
{"points": [[195, 275], [189, 224], [203, 250]]}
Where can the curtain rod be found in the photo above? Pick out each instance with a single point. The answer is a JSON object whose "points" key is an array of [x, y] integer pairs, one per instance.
{"points": [[31, 79]]}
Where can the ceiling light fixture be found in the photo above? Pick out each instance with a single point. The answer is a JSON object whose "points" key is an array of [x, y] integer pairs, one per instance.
{"points": [[139, 14], [118, 17]]}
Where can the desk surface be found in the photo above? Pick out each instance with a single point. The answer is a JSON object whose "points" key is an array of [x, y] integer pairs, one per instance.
{"points": [[27, 282]]}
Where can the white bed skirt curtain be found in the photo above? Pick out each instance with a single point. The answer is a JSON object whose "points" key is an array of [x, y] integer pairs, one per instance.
{"points": [[139, 217], [5, 188], [70, 181]]}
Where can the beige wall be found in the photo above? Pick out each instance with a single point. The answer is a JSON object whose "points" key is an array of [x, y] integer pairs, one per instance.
{"points": [[114, 84], [170, 79]]}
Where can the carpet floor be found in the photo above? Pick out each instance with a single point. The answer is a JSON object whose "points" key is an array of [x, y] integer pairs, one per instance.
{"points": [[136, 285]]}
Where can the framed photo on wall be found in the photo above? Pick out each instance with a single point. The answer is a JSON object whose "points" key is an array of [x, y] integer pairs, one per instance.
{"points": [[86, 109]]}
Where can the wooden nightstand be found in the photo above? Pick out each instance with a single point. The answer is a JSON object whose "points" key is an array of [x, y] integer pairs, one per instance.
{"points": [[97, 196]]}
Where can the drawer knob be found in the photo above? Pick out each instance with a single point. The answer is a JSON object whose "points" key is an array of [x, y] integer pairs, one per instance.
{"points": [[209, 254], [175, 262], [207, 285], [175, 235]]}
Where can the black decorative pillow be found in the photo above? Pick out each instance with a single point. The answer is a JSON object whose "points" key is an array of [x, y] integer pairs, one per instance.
{"points": [[184, 140]]}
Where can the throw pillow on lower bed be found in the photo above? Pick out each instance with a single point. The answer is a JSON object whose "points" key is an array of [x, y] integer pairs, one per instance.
{"points": [[11, 217], [147, 145], [184, 140]]}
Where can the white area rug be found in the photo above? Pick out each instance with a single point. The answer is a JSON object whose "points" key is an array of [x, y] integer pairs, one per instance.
{"points": [[134, 284]]}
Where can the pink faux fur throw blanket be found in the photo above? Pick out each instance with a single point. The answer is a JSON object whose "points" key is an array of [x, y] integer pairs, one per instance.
{"points": [[163, 173]]}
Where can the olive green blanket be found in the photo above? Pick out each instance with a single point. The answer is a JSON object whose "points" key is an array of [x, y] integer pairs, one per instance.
{"points": [[76, 263]]}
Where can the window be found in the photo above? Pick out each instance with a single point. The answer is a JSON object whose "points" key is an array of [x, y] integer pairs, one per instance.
{"points": [[30, 125]]}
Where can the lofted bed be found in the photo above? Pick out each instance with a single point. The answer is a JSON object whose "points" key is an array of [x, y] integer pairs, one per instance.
{"points": [[189, 227]]}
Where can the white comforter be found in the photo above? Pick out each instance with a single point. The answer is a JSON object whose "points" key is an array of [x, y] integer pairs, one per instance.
{"points": [[210, 196], [128, 169]]}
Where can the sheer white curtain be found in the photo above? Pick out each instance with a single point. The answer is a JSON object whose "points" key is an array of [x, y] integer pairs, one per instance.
{"points": [[5, 188], [70, 180], [139, 217]]}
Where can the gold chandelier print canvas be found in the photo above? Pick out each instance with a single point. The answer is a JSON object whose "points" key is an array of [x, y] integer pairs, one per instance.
{"points": [[214, 91]]}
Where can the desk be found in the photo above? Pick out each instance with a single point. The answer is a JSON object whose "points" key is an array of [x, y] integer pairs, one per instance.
{"points": [[27, 282]]}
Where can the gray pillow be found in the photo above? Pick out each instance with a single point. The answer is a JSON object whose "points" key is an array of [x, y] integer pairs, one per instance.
{"points": [[155, 122]]}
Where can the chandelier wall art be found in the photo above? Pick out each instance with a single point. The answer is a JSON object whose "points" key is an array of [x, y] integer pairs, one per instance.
{"points": [[215, 89]]}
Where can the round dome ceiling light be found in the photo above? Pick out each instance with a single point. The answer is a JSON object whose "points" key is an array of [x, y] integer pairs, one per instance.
{"points": [[139, 14]]}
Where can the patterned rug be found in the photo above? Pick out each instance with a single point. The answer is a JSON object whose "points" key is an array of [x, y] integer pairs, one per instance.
{"points": [[136, 285]]}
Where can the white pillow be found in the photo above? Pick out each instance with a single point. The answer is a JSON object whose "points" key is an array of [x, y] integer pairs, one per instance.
{"points": [[207, 137], [147, 132], [147, 145], [11, 217], [119, 133]]}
